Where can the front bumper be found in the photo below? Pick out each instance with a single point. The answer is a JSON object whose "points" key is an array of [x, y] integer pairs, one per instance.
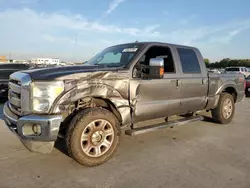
{"points": [[49, 124]]}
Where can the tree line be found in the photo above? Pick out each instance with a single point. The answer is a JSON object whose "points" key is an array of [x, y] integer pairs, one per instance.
{"points": [[227, 62]]}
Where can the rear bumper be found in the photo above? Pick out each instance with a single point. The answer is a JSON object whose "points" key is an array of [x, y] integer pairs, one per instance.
{"points": [[49, 125]]}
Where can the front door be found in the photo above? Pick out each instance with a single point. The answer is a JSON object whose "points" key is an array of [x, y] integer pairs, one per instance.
{"points": [[156, 98]]}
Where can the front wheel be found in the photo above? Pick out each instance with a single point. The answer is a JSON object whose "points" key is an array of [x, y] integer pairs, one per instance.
{"points": [[93, 136], [225, 109]]}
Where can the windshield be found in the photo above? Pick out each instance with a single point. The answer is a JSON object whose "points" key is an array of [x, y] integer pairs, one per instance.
{"points": [[233, 69], [115, 56]]}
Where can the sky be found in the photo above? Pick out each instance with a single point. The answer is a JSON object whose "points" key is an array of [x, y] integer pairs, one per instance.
{"points": [[75, 30]]}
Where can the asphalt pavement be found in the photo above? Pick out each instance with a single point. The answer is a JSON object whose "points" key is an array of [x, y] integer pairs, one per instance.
{"points": [[196, 155]]}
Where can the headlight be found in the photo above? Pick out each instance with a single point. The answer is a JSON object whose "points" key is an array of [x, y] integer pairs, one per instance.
{"points": [[44, 94]]}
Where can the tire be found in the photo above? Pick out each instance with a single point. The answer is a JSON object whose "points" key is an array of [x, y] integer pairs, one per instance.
{"points": [[218, 113], [86, 137]]}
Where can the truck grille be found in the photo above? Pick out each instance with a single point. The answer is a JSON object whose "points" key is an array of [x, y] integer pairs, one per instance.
{"points": [[18, 93], [15, 96]]}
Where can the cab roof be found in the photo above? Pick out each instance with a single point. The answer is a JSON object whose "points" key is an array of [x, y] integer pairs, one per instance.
{"points": [[158, 43]]}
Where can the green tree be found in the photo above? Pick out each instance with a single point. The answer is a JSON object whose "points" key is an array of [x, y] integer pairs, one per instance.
{"points": [[226, 62], [207, 62]]}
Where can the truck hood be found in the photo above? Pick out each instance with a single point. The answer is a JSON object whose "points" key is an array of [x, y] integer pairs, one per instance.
{"points": [[56, 73]]}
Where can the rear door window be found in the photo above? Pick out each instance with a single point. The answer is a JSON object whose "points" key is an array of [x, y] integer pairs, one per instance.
{"points": [[189, 61]]}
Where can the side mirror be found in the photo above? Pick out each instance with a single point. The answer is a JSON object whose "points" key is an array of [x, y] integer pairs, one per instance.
{"points": [[156, 70]]}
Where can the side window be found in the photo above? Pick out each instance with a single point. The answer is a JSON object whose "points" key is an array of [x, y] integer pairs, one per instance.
{"points": [[189, 61], [160, 52]]}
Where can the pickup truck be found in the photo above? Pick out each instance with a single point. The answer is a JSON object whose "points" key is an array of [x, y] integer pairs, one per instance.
{"points": [[88, 105], [6, 69], [241, 70]]}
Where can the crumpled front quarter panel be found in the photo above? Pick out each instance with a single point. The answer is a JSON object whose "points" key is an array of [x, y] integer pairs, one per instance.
{"points": [[105, 84]]}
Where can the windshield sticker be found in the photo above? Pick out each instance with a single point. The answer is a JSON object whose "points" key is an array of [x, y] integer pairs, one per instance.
{"points": [[130, 50]]}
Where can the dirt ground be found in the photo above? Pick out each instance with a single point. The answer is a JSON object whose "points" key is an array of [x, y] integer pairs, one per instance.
{"points": [[196, 155]]}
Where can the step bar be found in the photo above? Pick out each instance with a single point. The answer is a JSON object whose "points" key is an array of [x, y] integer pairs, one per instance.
{"points": [[150, 128]]}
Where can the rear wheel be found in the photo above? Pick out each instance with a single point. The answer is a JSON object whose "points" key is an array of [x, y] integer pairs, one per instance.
{"points": [[93, 136], [225, 109]]}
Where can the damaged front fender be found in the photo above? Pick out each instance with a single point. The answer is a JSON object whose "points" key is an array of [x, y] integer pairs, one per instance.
{"points": [[104, 85]]}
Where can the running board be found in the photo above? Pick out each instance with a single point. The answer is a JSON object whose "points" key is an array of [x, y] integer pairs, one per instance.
{"points": [[150, 128]]}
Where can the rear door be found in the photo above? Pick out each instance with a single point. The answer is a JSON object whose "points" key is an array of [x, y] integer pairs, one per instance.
{"points": [[194, 80]]}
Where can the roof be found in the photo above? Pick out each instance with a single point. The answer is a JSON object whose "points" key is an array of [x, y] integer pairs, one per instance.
{"points": [[157, 43]]}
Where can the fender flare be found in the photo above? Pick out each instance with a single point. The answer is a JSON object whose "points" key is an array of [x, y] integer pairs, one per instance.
{"points": [[227, 84]]}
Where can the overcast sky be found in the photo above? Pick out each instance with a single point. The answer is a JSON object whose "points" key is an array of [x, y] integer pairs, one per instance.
{"points": [[77, 29]]}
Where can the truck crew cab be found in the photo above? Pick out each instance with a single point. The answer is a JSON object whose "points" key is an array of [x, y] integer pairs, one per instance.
{"points": [[88, 105]]}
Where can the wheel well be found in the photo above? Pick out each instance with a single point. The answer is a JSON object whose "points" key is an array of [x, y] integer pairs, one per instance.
{"points": [[89, 102], [106, 103], [231, 91], [92, 102]]}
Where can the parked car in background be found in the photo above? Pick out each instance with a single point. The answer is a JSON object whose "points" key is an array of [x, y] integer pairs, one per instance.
{"points": [[248, 86], [241, 70], [214, 71], [6, 69], [222, 70]]}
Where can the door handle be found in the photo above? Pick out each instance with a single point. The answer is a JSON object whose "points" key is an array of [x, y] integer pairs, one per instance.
{"points": [[177, 83], [203, 81]]}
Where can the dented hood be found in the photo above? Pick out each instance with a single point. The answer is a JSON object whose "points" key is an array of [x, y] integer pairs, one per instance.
{"points": [[55, 73]]}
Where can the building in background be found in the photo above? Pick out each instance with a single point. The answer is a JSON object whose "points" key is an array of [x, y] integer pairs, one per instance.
{"points": [[18, 61], [46, 61], [3, 59]]}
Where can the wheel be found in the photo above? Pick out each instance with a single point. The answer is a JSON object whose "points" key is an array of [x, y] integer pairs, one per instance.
{"points": [[225, 109], [93, 136]]}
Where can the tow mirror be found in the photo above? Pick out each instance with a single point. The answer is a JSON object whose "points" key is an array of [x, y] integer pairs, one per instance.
{"points": [[156, 70]]}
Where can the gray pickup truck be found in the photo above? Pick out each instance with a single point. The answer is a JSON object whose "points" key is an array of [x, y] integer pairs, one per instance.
{"points": [[88, 105]]}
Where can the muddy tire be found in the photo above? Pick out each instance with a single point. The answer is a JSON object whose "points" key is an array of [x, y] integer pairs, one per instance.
{"points": [[93, 136], [224, 112]]}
